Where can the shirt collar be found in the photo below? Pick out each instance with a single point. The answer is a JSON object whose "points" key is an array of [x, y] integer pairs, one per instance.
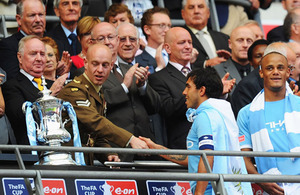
{"points": [[179, 66], [23, 33], [152, 51], [196, 30], [123, 62], [67, 31], [30, 77], [96, 87]]}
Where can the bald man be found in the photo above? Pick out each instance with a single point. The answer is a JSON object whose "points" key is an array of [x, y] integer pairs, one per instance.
{"points": [[85, 93], [238, 65], [170, 83]]}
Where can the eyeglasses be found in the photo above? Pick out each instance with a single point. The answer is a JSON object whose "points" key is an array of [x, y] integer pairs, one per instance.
{"points": [[101, 39], [161, 26], [291, 67], [86, 34], [131, 39]]}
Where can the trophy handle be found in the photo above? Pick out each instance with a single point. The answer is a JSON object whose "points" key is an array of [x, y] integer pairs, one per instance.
{"points": [[65, 122]]}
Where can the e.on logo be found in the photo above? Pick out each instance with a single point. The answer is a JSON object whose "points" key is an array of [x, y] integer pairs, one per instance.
{"points": [[54, 186]]}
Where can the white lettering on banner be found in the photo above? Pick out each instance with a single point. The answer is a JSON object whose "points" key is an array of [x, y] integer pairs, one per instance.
{"points": [[17, 192], [161, 189], [89, 193], [48, 190], [88, 187], [125, 191], [17, 187]]}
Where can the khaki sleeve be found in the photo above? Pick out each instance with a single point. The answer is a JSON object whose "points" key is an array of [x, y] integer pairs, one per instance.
{"points": [[89, 117]]}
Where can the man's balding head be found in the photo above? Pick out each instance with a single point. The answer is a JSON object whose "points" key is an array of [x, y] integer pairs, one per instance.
{"points": [[241, 39], [98, 63], [178, 44], [105, 33]]}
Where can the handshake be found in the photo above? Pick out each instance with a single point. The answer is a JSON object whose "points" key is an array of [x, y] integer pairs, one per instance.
{"points": [[137, 143]]}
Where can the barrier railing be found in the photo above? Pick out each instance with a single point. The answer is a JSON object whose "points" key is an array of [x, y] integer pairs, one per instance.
{"points": [[217, 180]]}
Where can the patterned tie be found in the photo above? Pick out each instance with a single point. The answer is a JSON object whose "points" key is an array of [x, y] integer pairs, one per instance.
{"points": [[185, 71], [166, 57], [39, 83], [73, 38], [205, 44], [117, 74]]}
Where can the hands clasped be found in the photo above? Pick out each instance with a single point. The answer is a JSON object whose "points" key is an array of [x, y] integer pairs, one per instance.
{"points": [[141, 74]]}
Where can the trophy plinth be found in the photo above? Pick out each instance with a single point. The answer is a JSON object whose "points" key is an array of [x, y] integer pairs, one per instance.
{"points": [[50, 130]]}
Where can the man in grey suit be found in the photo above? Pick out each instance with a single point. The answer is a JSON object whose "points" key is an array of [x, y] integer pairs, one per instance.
{"points": [[128, 96], [155, 23], [238, 65]]}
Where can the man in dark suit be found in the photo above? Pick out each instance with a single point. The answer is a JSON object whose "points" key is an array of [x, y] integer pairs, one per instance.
{"points": [[32, 58], [277, 33], [170, 83], [211, 45], [64, 33], [238, 65], [128, 96], [155, 23], [31, 18]]}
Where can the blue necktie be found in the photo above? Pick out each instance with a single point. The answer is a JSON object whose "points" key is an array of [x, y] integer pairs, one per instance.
{"points": [[73, 38]]}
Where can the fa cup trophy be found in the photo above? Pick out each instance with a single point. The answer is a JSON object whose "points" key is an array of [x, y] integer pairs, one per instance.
{"points": [[50, 129]]}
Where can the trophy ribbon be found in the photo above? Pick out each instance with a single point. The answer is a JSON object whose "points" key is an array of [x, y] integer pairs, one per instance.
{"points": [[31, 129], [79, 158]]}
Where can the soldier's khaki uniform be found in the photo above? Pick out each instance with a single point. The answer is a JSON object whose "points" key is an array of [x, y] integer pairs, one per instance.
{"points": [[90, 110]]}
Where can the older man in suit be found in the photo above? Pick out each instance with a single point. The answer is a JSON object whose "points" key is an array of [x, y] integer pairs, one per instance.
{"points": [[31, 18], [129, 98], [238, 65], [211, 45], [170, 83], [65, 34], [25, 86]]}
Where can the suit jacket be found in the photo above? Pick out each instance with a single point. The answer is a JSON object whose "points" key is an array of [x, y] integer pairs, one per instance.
{"points": [[62, 41], [59, 36], [130, 111], [228, 66], [16, 91], [145, 59], [220, 40], [8, 55], [246, 90], [277, 34], [6, 132], [170, 83]]}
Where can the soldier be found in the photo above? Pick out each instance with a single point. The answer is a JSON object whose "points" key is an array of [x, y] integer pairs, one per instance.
{"points": [[86, 96]]}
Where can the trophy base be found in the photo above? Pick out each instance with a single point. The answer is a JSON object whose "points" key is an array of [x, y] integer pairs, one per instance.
{"points": [[55, 158]]}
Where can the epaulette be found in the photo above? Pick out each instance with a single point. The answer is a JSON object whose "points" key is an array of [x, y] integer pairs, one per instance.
{"points": [[74, 89], [75, 81]]}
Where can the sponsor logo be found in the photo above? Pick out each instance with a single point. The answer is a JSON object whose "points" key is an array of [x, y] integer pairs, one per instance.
{"points": [[168, 188], [16, 186], [242, 138], [105, 187]]}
